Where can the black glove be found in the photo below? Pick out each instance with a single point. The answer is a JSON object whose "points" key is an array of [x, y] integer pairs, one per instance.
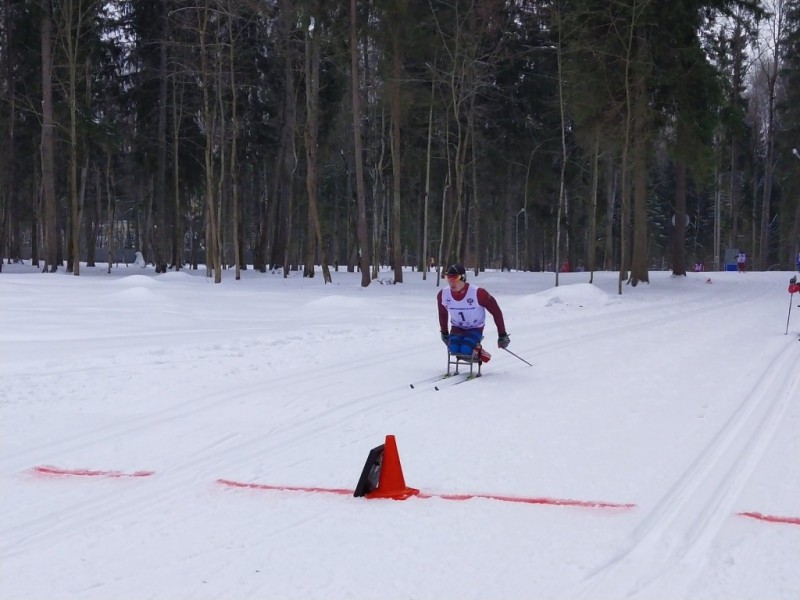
{"points": [[445, 338], [793, 280], [503, 341]]}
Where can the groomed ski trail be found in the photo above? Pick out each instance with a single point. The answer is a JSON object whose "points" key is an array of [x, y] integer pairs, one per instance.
{"points": [[668, 546]]}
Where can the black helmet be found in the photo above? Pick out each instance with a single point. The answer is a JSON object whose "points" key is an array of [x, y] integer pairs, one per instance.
{"points": [[457, 271]]}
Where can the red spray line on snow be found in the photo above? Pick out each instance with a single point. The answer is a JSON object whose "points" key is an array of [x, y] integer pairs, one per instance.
{"points": [[770, 518], [382, 477], [59, 472], [62, 472], [500, 498], [283, 488], [524, 500]]}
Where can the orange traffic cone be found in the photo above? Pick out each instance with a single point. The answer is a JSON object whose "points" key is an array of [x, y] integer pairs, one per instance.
{"points": [[391, 483]]}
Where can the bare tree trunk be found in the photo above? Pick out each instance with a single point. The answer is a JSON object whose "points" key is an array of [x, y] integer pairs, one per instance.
{"points": [[111, 209], [611, 178], [81, 201], [626, 144], [287, 150], [146, 190], [234, 169], [679, 229], [717, 224], [36, 216], [772, 71], [223, 172], [528, 250], [8, 192], [427, 187], [92, 222], [591, 257], [396, 110], [363, 242], [378, 196], [475, 213], [561, 194], [561, 201], [639, 259], [177, 238], [735, 189], [69, 34], [754, 229], [264, 210], [443, 220], [160, 199], [51, 240], [312, 139], [449, 216], [209, 118]]}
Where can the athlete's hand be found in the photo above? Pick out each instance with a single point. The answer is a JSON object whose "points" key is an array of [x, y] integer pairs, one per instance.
{"points": [[503, 341]]}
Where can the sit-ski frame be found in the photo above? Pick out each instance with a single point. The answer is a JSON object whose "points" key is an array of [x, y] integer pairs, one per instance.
{"points": [[454, 360]]}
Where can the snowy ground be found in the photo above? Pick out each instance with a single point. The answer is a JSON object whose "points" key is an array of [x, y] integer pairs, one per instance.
{"points": [[127, 398]]}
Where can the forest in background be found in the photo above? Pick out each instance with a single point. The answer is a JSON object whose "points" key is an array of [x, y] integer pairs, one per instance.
{"points": [[629, 135]]}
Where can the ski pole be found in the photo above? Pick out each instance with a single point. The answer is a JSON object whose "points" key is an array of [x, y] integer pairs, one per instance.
{"points": [[790, 313], [519, 357]]}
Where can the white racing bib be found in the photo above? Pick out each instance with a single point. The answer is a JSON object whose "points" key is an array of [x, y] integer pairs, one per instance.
{"points": [[465, 313]]}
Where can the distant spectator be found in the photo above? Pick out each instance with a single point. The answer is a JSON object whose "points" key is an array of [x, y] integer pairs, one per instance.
{"points": [[699, 267], [741, 261], [797, 260]]}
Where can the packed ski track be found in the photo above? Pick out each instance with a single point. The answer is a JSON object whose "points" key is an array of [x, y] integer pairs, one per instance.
{"points": [[671, 539], [680, 397]]}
